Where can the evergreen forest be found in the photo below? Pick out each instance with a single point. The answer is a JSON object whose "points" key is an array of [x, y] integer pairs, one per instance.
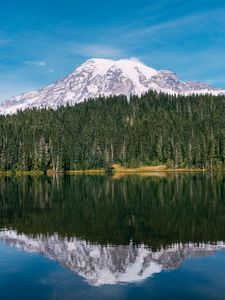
{"points": [[179, 131]]}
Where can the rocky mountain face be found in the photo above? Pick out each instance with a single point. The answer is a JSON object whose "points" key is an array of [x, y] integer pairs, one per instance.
{"points": [[108, 264], [105, 77]]}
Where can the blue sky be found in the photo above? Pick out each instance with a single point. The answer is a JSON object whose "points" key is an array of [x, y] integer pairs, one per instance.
{"points": [[42, 41]]}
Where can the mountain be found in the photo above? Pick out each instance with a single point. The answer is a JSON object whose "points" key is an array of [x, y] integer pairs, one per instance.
{"points": [[106, 77], [108, 264]]}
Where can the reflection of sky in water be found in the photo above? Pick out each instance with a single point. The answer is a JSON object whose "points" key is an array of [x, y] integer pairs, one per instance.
{"points": [[159, 215], [24, 274], [104, 265]]}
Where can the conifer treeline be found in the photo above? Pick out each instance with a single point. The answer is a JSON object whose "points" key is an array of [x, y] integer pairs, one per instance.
{"points": [[154, 129]]}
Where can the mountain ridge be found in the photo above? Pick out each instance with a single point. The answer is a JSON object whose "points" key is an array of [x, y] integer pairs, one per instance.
{"points": [[103, 77]]}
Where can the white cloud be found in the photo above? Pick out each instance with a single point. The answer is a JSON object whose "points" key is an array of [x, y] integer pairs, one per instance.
{"points": [[41, 63], [136, 59], [36, 63], [98, 50]]}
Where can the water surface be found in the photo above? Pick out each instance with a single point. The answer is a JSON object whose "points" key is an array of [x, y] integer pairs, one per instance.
{"points": [[122, 237]]}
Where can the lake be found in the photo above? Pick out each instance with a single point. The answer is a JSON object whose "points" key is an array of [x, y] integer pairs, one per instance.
{"points": [[149, 236]]}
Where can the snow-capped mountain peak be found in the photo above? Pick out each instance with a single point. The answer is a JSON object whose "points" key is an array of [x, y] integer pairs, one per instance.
{"points": [[106, 77]]}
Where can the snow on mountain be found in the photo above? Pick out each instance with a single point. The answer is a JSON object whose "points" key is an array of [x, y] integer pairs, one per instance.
{"points": [[106, 77], [108, 264]]}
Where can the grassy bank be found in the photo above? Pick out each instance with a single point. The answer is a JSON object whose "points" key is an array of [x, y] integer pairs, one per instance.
{"points": [[91, 171], [5, 173], [151, 169], [29, 173]]}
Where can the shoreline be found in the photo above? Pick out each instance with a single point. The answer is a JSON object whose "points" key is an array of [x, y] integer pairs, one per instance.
{"points": [[116, 169]]}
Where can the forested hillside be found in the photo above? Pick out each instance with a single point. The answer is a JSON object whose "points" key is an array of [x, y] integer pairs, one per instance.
{"points": [[156, 129]]}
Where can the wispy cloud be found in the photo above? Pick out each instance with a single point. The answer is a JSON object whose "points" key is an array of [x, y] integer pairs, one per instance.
{"points": [[3, 42], [176, 24], [98, 50], [36, 63], [8, 90]]}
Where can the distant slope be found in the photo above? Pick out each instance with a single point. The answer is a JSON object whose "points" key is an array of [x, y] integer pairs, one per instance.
{"points": [[106, 77]]}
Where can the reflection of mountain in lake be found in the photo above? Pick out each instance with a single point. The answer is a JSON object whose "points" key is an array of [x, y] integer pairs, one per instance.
{"points": [[108, 264]]}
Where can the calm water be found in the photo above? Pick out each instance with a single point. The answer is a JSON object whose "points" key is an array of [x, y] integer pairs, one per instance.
{"points": [[99, 237]]}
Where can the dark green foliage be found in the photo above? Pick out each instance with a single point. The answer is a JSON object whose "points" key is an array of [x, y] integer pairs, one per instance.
{"points": [[178, 131], [156, 211]]}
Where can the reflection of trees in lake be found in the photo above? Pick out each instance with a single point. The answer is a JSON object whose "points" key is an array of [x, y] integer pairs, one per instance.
{"points": [[151, 210]]}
